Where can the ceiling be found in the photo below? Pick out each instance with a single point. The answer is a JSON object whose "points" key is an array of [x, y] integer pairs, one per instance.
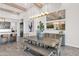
{"points": [[17, 8]]}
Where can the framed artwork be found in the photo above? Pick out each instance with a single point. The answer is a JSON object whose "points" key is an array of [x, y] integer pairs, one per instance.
{"points": [[31, 25], [56, 15]]}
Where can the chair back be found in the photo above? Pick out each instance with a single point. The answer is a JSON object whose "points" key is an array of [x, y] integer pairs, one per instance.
{"points": [[60, 42]]}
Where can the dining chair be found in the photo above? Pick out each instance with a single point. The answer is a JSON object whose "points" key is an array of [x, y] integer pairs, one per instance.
{"points": [[58, 48], [56, 51]]}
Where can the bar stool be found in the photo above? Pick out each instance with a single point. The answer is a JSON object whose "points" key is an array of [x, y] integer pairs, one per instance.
{"points": [[4, 38]]}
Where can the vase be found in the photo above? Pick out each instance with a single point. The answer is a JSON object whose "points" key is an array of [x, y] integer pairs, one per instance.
{"points": [[39, 35]]}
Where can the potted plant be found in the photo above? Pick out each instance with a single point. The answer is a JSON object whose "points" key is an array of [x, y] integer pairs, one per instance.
{"points": [[40, 29], [41, 26]]}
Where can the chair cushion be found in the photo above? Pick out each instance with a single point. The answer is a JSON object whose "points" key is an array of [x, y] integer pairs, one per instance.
{"points": [[50, 42]]}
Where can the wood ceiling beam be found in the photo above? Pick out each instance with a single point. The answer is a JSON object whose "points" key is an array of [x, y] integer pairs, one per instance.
{"points": [[16, 6], [39, 5], [4, 18], [7, 10]]}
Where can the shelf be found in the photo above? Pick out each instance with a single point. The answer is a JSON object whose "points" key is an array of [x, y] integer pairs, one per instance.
{"points": [[56, 24], [55, 20], [53, 31]]}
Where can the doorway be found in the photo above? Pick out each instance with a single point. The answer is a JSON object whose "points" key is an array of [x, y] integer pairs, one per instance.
{"points": [[21, 28]]}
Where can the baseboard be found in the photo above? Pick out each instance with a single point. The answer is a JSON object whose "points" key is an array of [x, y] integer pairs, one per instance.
{"points": [[72, 45]]}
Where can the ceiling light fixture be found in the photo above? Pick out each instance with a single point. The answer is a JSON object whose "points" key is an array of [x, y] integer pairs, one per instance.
{"points": [[40, 15]]}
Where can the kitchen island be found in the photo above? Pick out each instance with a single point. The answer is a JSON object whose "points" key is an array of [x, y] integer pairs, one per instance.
{"points": [[7, 36]]}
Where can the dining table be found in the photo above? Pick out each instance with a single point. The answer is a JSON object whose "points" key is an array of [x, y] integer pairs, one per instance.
{"points": [[51, 42]]}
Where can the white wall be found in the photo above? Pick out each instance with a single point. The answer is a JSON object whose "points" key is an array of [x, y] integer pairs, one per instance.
{"points": [[50, 7], [72, 22], [36, 11]]}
